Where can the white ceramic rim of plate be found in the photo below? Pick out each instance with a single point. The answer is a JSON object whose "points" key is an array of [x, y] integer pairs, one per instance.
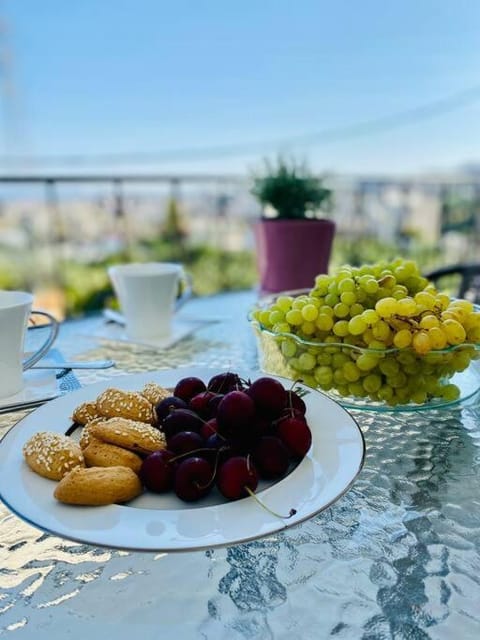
{"points": [[325, 474]]}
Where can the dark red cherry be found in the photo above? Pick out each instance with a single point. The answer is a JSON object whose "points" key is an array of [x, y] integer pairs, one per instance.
{"points": [[193, 479], [235, 476], [186, 388]]}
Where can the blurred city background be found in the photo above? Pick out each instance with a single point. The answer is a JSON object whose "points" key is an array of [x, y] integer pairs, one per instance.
{"points": [[131, 130]]}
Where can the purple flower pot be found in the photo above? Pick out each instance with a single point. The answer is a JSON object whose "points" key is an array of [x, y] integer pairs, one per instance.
{"points": [[290, 253]]}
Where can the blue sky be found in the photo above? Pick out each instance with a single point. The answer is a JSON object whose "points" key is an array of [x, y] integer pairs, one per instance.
{"points": [[118, 76]]}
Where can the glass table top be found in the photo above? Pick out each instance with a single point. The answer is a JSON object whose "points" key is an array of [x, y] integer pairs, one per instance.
{"points": [[397, 557]]}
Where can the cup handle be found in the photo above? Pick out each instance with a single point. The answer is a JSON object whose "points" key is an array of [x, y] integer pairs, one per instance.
{"points": [[38, 355], [186, 292]]}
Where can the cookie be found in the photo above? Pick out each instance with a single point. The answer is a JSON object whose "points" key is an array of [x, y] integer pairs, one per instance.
{"points": [[154, 392], [52, 455], [96, 486], [85, 412], [129, 434], [103, 454], [116, 403], [86, 438]]}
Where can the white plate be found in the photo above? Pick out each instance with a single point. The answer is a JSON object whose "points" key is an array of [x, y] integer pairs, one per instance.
{"points": [[156, 522]]}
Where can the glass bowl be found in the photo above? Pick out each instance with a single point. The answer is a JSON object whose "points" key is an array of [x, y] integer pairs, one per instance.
{"points": [[362, 378]]}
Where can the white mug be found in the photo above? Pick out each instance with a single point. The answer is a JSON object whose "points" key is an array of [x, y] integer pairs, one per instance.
{"points": [[15, 310], [147, 293]]}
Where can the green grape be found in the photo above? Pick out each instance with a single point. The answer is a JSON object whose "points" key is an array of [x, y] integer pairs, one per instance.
{"points": [[340, 328], [386, 307], [289, 348], [406, 307], [294, 317], [356, 389], [450, 392], [324, 358], [310, 312], [327, 310], [299, 302], [341, 310], [333, 288], [370, 316], [454, 331], [419, 396], [367, 361], [331, 299], [437, 338], [421, 342], [282, 327], [324, 322], [389, 366], [264, 318], [429, 322], [356, 309], [323, 375], [425, 300], [356, 325], [308, 328], [371, 286], [346, 284], [381, 331], [338, 377], [306, 362], [385, 393], [460, 360], [399, 292], [372, 382], [350, 371], [284, 303], [402, 338], [348, 297], [398, 380], [276, 316]]}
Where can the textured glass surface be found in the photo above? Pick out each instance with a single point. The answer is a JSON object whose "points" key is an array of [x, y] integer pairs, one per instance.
{"points": [[397, 557]]}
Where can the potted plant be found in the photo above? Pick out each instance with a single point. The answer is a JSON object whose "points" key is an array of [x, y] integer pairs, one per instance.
{"points": [[293, 242]]}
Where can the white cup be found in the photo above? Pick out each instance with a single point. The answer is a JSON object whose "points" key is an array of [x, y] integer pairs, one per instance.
{"points": [[147, 293], [15, 310]]}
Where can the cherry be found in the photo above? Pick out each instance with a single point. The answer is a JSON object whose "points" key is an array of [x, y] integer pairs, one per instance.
{"points": [[224, 382], [213, 403], [157, 471], [193, 479], [269, 396], [181, 420], [200, 403], [186, 388], [209, 428], [185, 442], [291, 412], [271, 457], [295, 435], [236, 476], [235, 411], [294, 401], [167, 405]]}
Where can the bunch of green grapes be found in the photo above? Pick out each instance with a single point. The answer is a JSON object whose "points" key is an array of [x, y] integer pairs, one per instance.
{"points": [[380, 331]]}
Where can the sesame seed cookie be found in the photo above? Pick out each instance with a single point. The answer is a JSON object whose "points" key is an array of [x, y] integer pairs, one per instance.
{"points": [[114, 403], [129, 434], [52, 455], [154, 393], [103, 454], [85, 412], [96, 486]]}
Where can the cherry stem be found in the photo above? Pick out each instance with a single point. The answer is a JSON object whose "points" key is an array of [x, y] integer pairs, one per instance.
{"points": [[187, 453], [262, 504]]}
